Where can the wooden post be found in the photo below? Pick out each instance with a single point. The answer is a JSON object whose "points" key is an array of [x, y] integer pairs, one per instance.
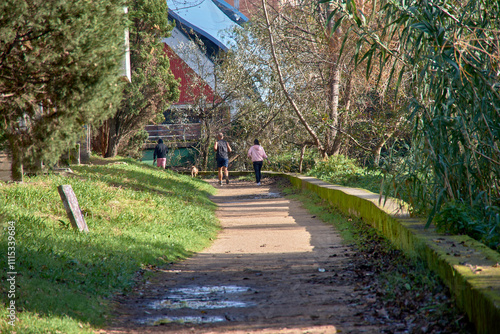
{"points": [[17, 164], [72, 208], [85, 146], [74, 155]]}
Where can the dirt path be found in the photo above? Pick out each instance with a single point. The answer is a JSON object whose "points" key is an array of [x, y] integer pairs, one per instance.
{"points": [[273, 269]]}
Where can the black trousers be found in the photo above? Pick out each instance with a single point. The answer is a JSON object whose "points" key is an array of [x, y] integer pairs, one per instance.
{"points": [[257, 167]]}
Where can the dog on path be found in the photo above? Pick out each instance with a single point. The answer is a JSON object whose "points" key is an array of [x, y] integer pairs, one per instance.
{"points": [[194, 171]]}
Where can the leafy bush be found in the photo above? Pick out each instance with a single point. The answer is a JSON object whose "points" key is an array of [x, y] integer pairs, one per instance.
{"points": [[344, 171], [289, 162], [337, 169], [457, 217], [135, 145]]}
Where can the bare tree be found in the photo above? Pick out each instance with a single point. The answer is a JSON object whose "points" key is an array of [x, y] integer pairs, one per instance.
{"points": [[306, 47]]}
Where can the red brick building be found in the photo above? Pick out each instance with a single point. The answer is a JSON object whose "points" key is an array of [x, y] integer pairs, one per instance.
{"points": [[205, 22]]}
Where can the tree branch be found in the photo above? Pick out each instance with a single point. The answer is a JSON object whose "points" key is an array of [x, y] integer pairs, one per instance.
{"points": [[282, 82], [350, 137]]}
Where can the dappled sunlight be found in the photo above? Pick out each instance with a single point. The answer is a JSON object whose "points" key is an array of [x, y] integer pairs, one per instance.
{"points": [[269, 271]]}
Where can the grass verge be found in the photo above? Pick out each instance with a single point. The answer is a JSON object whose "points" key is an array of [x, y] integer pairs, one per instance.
{"points": [[138, 216]]}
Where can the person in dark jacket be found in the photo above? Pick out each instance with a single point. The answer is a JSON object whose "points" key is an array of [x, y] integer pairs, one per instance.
{"points": [[160, 154], [222, 149]]}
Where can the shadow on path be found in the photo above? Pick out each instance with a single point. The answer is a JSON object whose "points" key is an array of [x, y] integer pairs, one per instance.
{"points": [[273, 269]]}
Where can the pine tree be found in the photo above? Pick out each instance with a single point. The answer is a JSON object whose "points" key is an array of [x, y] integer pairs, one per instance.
{"points": [[153, 85], [59, 69]]}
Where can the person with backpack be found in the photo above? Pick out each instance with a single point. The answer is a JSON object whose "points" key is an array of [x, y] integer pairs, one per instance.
{"points": [[222, 149]]}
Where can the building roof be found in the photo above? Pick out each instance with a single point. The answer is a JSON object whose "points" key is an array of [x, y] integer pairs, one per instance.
{"points": [[233, 13], [212, 19], [209, 21]]}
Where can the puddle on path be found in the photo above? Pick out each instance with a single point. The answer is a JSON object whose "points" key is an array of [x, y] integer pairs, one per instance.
{"points": [[207, 290], [161, 320], [197, 298], [270, 194], [256, 196]]}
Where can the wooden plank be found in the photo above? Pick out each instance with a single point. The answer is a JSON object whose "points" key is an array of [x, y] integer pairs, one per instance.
{"points": [[72, 208]]}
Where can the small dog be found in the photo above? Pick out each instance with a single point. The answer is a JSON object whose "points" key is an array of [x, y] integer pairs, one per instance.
{"points": [[194, 171]]}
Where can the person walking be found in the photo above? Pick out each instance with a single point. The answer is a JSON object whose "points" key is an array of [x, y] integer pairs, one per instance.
{"points": [[257, 154], [160, 154], [222, 149]]}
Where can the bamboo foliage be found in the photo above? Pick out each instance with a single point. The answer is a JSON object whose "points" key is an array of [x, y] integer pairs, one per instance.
{"points": [[452, 51]]}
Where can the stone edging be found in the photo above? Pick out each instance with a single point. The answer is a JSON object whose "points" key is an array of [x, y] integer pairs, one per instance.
{"points": [[469, 269]]}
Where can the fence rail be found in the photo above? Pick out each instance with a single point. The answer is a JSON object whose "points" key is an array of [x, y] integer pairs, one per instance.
{"points": [[175, 134]]}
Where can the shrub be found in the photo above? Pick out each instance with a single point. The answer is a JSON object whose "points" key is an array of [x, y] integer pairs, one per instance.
{"points": [[337, 169], [290, 162], [457, 217]]}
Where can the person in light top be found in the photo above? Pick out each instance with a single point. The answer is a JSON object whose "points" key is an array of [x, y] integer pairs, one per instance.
{"points": [[257, 154]]}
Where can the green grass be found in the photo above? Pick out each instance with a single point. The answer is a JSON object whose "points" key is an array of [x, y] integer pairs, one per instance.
{"points": [[138, 216]]}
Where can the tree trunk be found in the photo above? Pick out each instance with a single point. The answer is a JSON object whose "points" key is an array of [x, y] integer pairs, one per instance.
{"points": [[333, 96], [17, 161], [333, 85], [302, 152], [113, 139], [288, 96], [376, 152], [100, 141], [85, 146], [378, 148], [337, 143], [205, 150]]}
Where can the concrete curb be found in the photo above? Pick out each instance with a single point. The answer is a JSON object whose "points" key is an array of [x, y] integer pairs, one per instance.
{"points": [[469, 269]]}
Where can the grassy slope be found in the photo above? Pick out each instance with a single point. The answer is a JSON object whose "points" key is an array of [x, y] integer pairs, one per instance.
{"points": [[138, 216]]}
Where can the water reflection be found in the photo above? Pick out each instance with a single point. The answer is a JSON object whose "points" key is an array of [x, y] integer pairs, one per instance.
{"points": [[197, 298]]}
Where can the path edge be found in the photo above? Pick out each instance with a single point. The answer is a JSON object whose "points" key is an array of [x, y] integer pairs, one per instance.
{"points": [[471, 272]]}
